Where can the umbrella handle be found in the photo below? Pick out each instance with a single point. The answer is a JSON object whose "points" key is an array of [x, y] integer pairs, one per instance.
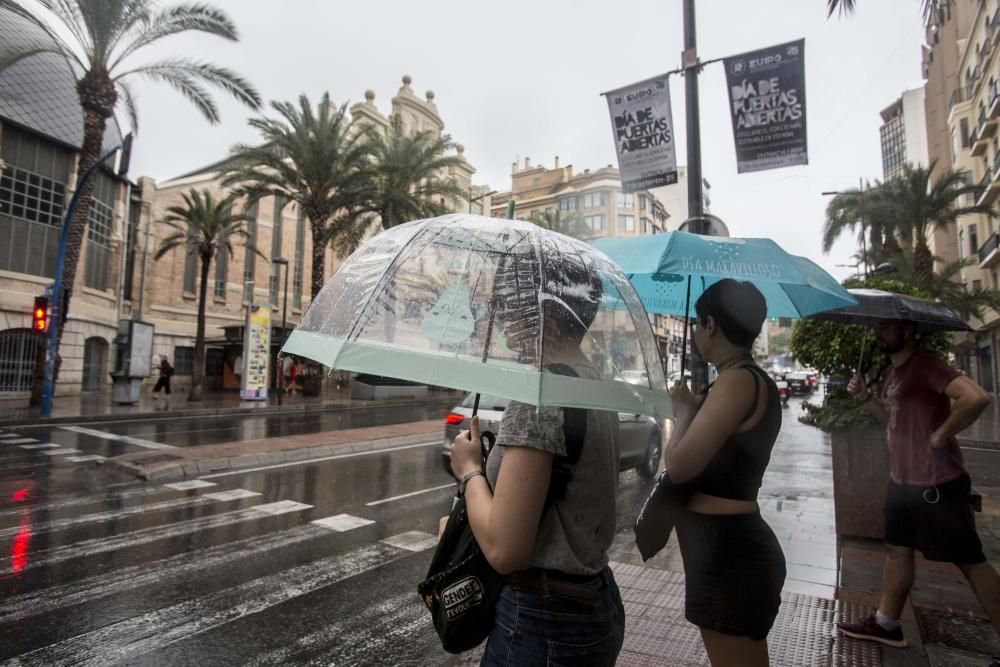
{"points": [[684, 342]]}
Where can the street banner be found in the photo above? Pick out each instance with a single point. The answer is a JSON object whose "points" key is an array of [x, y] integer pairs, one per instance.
{"points": [[767, 98], [256, 353], [643, 129]]}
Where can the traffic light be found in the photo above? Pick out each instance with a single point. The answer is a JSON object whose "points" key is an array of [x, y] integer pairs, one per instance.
{"points": [[40, 314]]}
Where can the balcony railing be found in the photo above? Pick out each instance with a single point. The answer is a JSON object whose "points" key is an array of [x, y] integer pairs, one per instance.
{"points": [[989, 246], [959, 95]]}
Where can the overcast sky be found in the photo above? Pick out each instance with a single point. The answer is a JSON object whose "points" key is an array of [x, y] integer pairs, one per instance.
{"points": [[519, 78]]}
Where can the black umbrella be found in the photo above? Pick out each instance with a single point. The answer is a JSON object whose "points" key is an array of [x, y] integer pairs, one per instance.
{"points": [[874, 305]]}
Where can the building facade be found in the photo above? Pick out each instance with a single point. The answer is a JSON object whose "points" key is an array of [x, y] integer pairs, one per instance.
{"points": [[594, 199], [165, 291], [973, 119], [903, 134], [41, 132]]}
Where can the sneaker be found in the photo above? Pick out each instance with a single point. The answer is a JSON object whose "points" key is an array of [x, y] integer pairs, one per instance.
{"points": [[870, 630]]}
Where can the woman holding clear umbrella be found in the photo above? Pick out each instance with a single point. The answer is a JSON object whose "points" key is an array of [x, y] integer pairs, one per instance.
{"points": [[560, 603], [721, 445]]}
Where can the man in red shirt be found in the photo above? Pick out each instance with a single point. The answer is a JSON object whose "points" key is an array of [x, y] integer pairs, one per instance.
{"points": [[927, 507]]}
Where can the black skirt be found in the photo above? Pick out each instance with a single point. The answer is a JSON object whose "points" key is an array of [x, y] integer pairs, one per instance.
{"points": [[734, 570]]}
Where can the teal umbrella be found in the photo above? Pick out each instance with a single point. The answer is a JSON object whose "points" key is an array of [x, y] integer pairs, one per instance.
{"points": [[479, 304], [670, 271], [659, 268]]}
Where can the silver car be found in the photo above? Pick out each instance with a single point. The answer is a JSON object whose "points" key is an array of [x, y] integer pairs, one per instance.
{"points": [[642, 437]]}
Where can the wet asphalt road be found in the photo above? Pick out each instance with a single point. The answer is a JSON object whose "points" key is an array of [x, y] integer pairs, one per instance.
{"points": [[99, 568]]}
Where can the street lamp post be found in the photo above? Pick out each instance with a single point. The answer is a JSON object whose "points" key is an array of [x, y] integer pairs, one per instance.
{"points": [[861, 214], [482, 196], [281, 261]]}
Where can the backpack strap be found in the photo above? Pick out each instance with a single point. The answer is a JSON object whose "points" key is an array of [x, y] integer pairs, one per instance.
{"points": [[574, 432]]}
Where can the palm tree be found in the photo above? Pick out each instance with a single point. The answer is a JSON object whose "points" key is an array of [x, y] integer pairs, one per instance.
{"points": [[202, 226], [929, 8], [919, 206], [553, 220], [406, 180], [867, 209], [101, 40], [316, 158]]}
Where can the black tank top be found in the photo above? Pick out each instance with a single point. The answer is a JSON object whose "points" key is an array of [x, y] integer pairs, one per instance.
{"points": [[737, 469]]}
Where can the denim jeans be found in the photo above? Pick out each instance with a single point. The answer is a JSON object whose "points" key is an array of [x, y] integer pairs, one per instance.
{"points": [[533, 629]]}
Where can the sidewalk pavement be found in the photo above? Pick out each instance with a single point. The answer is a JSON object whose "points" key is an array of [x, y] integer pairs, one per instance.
{"points": [[98, 406]]}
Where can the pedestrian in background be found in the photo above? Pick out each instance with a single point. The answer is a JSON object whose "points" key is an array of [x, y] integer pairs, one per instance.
{"points": [[163, 382], [928, 504], [720, 447]]}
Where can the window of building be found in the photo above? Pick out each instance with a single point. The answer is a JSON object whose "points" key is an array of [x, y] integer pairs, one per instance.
{"points": [[250, 254], [135, 206], [32, 197], [646, 227], [973, 240], [533, 214], [963, 125], [535, 182], [279, 204], [567, 204], [549, 210], [300, 240], [594, 222], [626, 223], [593, 200], [183, 360], [99, 225], [625, 200], [961, 243], [642, 202]]}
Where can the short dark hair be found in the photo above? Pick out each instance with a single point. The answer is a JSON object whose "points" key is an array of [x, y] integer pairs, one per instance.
{"points": [[738, 308]]}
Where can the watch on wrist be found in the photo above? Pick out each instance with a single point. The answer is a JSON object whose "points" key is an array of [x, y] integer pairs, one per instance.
{"points": [[465, 478]]}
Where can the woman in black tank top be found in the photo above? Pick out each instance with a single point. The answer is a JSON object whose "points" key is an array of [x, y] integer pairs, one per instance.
{"points": [[720, 447]]}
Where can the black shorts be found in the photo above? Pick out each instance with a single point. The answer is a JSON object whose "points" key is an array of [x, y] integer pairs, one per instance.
{"points": [[936, 520], [734, 570]]}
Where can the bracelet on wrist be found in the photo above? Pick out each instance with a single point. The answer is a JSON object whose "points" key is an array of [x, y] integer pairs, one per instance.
{"points": [[465, 479]]}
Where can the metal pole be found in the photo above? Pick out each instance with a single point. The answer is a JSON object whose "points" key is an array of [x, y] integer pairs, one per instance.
{"points": [[57, 289], [284, 337], [691, 66]]}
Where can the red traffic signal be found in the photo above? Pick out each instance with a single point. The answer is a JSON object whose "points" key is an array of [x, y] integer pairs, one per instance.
{"points": [[40, 314]]}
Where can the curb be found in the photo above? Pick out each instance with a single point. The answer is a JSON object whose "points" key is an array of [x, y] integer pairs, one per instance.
{"points": [[178, 469], [980, 444], [216, 412]]}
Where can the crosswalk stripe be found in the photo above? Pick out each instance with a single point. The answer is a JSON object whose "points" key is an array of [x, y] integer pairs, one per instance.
{"points": [[61, 451], [85, 459], [235, 494], [18, 441], [60, 553], [189, 484], [414, 540], [400, 618], [109, 515], [343, 522], [138, 442], [125, 640], [44, 445], [163, 571], [74, 501]]}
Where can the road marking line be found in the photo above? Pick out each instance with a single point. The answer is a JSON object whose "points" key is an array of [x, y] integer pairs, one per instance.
{"points": [[124, 641], [18, 441], [176, 568], [281, 507], [188, 485], [60, 452], [335, 457], [44, 445], [235, 494], [414, 540], [85, 459], [107, 515], [71, 501], [60, 553], [343, 522], [373, 503], [138, 442]]}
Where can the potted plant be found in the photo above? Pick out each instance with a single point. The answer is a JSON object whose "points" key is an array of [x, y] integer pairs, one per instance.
{"points": [[860, 455]]}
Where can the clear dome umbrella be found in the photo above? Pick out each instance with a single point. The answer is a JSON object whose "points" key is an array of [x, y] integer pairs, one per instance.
{"points": [[500, 307]]}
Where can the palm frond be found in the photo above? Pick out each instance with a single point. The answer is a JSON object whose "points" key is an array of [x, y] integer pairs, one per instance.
{"points": [[131, 108], [175, 20]]}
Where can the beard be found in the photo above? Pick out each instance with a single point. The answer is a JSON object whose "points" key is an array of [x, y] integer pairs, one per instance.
{"points": [[890, 347]]}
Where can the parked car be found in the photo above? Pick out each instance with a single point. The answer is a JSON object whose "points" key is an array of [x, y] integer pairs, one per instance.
{"points": [[641, 436], [801, 383]]}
